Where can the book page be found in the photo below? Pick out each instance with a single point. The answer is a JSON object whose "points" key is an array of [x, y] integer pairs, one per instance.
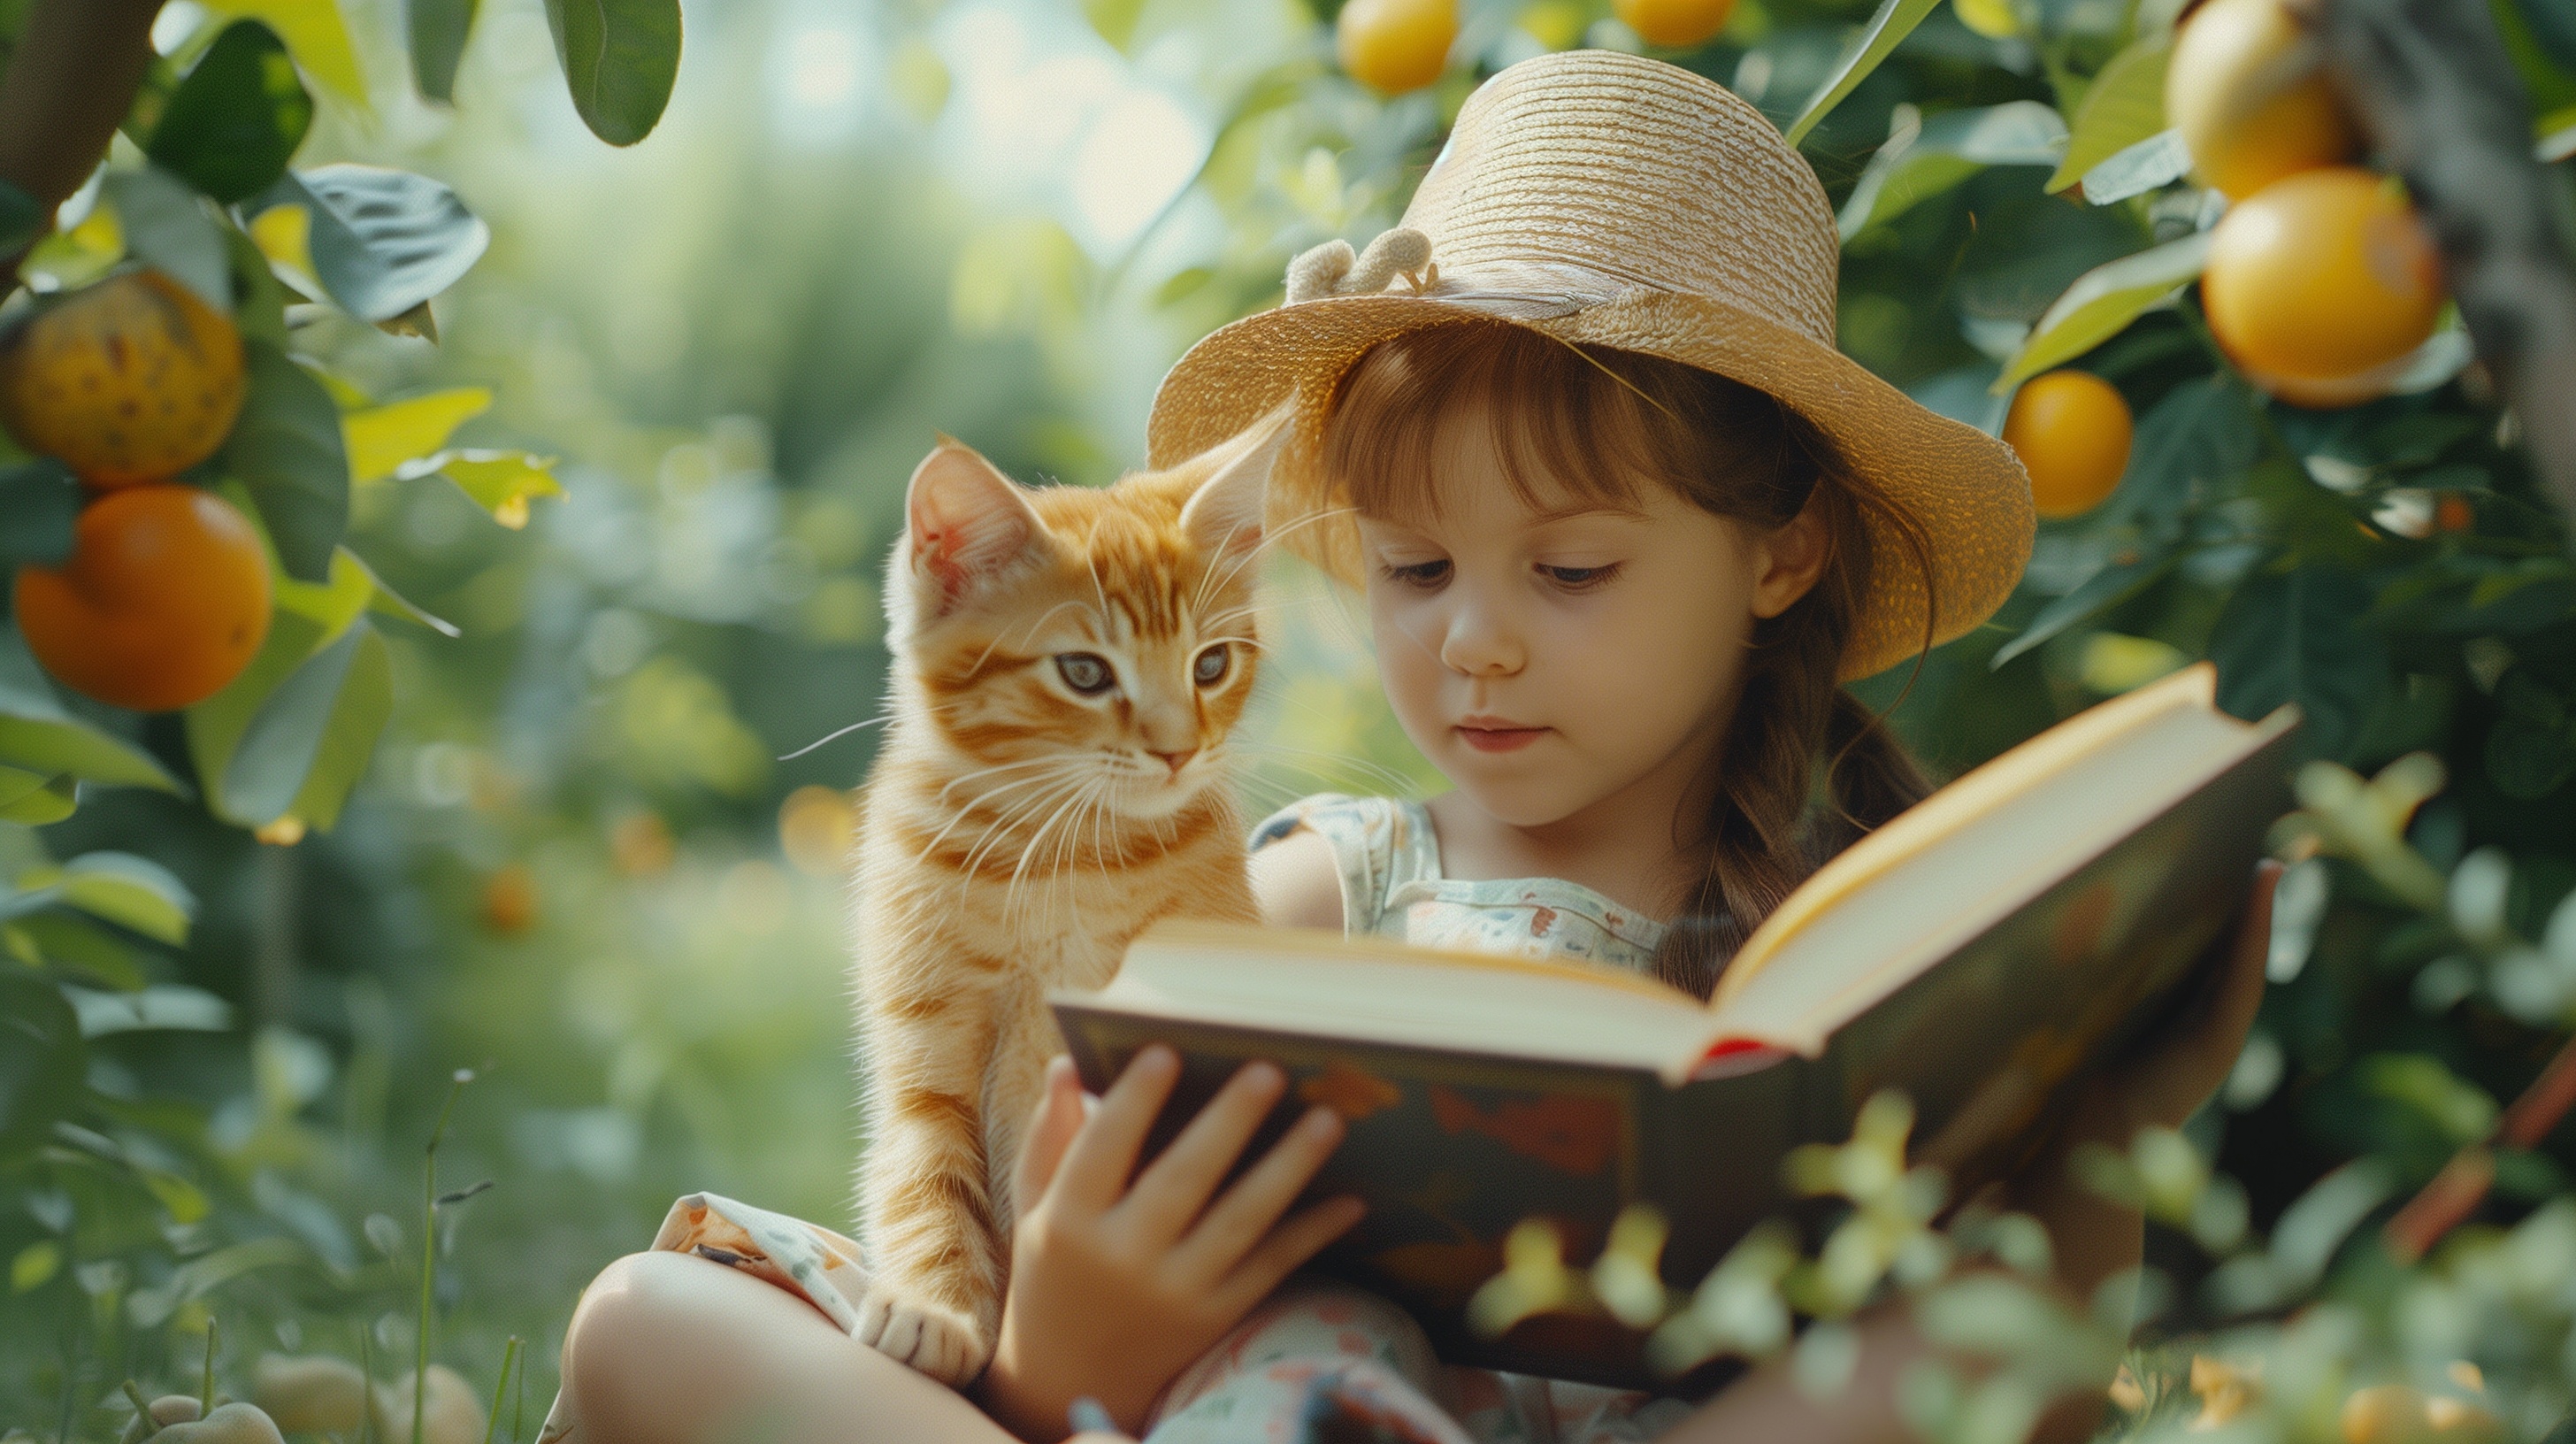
{"points": [[1381, 991], [1890, 925]]}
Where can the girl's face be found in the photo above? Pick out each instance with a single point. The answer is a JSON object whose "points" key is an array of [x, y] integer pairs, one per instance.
{"points": [[1549, 657]]}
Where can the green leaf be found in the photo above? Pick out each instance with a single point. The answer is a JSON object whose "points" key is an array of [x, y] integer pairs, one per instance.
{"points": [[620, 58], [2158, 161], [166, 227], [2124, 105], [286, 450], [2297, 637], [2102, 303], [315, 35], [2113, 584], [217, 725], [500, 482], [438, 32], [237, 118], [22, 220], [51, 800], [35, 1266], [37, 735], [1894, 21], [394, 604], [2531, 750], [41, 500], [132, 892], [43, 1061], [68, 941], [295, 730], [1114, 20], [1923, 158], [358, 718], [381, 438], [333, 604], [2542, 43], [382, 241], [2188, 447]]}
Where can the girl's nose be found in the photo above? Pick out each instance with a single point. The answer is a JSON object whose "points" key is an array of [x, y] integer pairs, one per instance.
{"points": [[1480, 642]]}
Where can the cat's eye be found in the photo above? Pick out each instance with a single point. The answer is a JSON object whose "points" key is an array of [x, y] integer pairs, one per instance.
{"points": [[1210, 667], [1085, 672]]}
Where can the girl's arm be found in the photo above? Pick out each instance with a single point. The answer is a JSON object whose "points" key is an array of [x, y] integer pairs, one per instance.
{"points": [[1115, 1288]]}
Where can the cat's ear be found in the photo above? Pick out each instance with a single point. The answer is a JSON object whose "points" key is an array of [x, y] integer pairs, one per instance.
{"points": [[1224, 514], [965, 523]]}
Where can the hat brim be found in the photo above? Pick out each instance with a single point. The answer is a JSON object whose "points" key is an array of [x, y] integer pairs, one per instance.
{"points": [[1964, 490]]}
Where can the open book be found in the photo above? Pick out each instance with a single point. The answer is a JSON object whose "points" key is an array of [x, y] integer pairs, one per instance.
{"points": [[1976, 952]]}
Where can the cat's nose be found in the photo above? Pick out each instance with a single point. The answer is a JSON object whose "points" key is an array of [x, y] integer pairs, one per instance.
{"points": [[1177, 760]]}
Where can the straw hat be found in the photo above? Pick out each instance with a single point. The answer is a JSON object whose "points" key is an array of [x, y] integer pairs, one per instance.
{"points": [[1608, 199]]}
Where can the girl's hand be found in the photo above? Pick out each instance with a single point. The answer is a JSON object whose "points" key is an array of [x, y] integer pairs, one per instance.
{"points": [[1116, 1289], [2160, 1083]]}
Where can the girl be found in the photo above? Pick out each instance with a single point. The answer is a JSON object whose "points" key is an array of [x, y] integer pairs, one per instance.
{"points": [[1624, 519]]}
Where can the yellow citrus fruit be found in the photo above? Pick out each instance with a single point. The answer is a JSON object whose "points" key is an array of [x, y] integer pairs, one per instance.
{"points": [[2072, 431], [2246, 89], [133, 379], [163, 601], [1674, 24], [2320, 278], [1396, 45]]}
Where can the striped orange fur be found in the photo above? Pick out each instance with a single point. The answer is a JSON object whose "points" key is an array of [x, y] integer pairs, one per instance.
{"points": [[1052, 780]]}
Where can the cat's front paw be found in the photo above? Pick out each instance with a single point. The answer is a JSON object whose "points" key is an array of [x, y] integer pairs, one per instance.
{"points": [[935, 1340]]}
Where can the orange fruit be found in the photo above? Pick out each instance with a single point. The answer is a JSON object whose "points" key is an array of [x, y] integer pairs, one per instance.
{"points": [[163, 600], [1394, 46], [1674, 24], [134, 379], [2071, 430], [510, 899], [2319, 278], [2246, 88]]}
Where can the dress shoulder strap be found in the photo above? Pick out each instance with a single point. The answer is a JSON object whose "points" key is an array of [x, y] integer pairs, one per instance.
{"points": [[1379, 844]]}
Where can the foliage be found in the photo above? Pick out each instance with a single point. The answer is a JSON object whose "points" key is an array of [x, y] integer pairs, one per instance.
{"points": [[563, 857]]}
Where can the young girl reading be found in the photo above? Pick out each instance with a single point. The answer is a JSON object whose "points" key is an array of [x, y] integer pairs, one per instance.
{"points": [[1624, 520]]}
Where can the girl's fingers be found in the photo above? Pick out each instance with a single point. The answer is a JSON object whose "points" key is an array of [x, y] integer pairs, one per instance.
{"points": [[1239, 1220], [1175, 1187], [1103, 1152], [1059, 1117], [1287, 1249]]}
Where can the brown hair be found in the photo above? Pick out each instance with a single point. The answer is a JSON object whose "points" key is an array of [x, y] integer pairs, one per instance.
{"points": [[1602, 423]]}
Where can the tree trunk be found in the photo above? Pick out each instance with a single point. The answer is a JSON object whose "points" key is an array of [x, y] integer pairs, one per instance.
{"points": [[2432, 85]]}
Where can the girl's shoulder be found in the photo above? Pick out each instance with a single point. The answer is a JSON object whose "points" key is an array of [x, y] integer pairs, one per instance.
{"points": [[1330, 860]]}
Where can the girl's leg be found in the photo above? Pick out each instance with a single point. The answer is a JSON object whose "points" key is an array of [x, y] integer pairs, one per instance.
{"points": [[668, 1348]]}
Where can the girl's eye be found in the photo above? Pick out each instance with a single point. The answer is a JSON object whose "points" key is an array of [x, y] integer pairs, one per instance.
{"points": [[1579, 578], [1085, 672], [1210, 667], [1420, 574]]}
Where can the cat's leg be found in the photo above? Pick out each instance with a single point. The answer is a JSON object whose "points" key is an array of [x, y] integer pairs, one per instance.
{"points": [[931, 1237]]}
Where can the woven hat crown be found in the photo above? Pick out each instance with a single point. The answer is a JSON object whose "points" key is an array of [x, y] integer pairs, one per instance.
{"points": [[1642, 173]]}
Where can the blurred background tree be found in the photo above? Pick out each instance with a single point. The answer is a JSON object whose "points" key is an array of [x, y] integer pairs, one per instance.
{"points": [[619, 490]]}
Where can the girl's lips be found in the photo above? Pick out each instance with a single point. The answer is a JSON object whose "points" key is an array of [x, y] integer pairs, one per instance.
{"points": [[1499, 739]]}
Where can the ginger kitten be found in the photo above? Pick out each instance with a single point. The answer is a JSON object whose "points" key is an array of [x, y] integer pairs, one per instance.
{"points": [[1068, 663]]}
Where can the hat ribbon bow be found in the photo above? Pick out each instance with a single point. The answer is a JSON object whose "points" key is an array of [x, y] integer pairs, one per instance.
{"points": [[1522, 291]]}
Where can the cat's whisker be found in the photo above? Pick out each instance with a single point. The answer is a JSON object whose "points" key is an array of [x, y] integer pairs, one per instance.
{"points": [[1376, 773], [1271, 537]]}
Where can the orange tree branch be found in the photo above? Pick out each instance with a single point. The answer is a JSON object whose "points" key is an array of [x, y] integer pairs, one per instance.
{"points": [[2433, 86], [68, 85]]}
